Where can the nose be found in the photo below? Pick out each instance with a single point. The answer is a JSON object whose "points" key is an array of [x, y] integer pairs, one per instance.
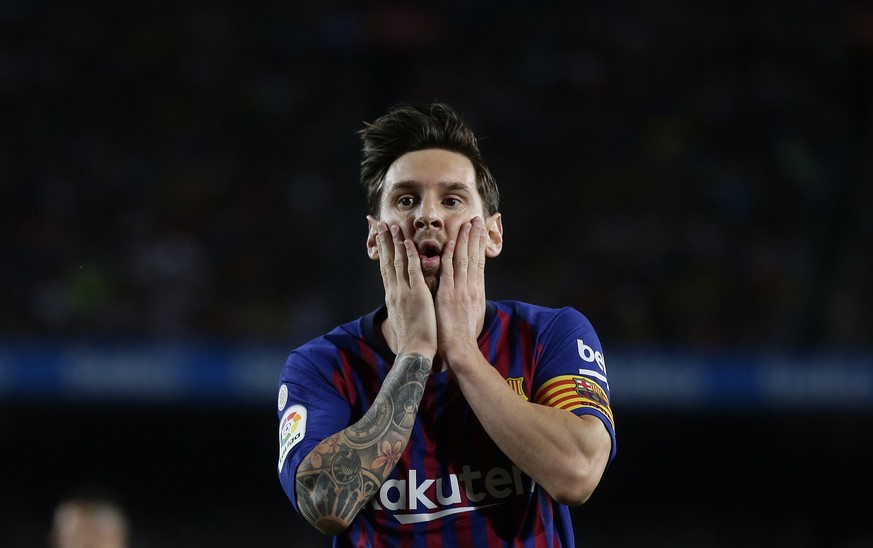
{"points": [[428, 215]]}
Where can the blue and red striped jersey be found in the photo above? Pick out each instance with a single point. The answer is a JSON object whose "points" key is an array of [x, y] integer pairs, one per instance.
{"points": [[452, 486]]}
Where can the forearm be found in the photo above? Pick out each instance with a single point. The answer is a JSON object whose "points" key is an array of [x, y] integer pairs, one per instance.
{"points": [[342, 473], [564, 453]]}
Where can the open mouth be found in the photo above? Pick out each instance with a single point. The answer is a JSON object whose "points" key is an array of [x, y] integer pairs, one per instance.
{"points": [[429, 250]]}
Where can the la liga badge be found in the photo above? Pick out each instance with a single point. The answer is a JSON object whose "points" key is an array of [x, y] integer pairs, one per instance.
{"points": [[292, 430]]}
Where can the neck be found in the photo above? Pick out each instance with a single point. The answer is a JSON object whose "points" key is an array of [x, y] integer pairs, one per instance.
{"points": [[391, 340]]}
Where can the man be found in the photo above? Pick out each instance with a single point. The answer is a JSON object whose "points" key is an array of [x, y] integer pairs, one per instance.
{"points": [[442, 418], [88, 522]]}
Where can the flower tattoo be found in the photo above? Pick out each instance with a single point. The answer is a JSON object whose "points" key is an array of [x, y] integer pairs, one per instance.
{"points": [[388, 455], [329, 445]]}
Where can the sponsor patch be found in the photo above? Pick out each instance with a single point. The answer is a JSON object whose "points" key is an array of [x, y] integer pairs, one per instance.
{"points": [[570, 392], [590, 355], [292, 430], [283, 397], [413, 498]]}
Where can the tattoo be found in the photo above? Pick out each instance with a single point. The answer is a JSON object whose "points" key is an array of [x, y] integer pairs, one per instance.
{"points": [[342, 473]]}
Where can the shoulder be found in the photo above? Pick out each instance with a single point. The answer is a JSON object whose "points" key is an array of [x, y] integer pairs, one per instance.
{"points": [[559, 330], [324, 351], [543, 316]]}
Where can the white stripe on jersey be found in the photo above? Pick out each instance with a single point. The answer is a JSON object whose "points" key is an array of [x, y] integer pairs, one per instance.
{"points": [[590, 373]]}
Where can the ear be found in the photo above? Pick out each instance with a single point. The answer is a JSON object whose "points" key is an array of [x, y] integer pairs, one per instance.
{"points": [[494, 224], [372, 244]]}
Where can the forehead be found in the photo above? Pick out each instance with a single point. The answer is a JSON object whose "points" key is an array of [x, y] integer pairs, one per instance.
{"points": [[431, 167]]}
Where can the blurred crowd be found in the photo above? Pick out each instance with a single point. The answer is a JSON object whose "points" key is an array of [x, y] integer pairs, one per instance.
{"points": [[685, 174]]}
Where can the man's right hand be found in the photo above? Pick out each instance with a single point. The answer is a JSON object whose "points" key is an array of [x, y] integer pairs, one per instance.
{"points": [[411, 312]]}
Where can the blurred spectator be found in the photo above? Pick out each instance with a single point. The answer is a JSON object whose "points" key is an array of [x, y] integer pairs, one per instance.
{"points": [[179, 172], [89, 522]]}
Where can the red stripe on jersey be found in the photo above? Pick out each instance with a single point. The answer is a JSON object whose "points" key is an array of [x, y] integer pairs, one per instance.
{"points": [[500, 358], [363, 540], [343, 381], [463, 530], [501, 363], [369, 376], [529, 360], [367, 355], [405, 539], [540, 533], [483, 446], [454, 415], [429, 419], [492, 536]]}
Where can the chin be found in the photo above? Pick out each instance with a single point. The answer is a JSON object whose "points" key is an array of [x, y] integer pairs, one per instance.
{"points": [[433, 283]]}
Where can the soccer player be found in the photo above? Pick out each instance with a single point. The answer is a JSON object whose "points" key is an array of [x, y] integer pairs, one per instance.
{"points": [[442, 418]]}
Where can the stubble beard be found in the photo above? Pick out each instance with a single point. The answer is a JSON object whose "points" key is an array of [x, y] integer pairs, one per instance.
{"points": [[433, 282], [432, 279]]}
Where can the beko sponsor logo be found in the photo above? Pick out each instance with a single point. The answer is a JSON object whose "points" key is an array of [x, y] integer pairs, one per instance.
{"points": [[592, 356]]}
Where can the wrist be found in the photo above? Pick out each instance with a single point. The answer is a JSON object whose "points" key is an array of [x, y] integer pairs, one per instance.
{"points": [[460, 356], [424, 351], [407, 345]]}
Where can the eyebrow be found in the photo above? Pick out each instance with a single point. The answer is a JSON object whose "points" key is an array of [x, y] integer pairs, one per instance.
{"points": [[411, 185]]}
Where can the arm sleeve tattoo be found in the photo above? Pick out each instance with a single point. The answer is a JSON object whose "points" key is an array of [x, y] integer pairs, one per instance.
{"points": [[342, 473]]}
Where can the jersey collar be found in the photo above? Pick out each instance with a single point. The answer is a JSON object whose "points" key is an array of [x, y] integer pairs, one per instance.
{"points": [[372, 334]]}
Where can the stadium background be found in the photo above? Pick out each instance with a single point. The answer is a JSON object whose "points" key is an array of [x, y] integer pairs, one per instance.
{"points": [[179, 208]]}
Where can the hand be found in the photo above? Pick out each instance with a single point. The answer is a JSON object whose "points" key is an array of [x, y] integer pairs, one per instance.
{"points": [[460, 299], [411, 312]]}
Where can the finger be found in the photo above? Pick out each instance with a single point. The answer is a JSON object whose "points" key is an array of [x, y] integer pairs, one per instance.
{"points": [[413, 265], [447, 267], [386, 255], [399, 256], [478, 244], [462, 257]]}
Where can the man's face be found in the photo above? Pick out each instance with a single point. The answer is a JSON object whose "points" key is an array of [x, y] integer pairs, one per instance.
{"points": [[430, 194]]}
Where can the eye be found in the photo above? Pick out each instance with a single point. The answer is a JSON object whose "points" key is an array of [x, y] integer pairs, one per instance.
{"points": [[452, 202], [406, 201]]}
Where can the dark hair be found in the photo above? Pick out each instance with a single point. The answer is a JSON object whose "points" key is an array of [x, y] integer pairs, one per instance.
{"points": [[407, 129]]}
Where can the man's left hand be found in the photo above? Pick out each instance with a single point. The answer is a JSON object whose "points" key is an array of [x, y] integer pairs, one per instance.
{"points": [[460, 299]]}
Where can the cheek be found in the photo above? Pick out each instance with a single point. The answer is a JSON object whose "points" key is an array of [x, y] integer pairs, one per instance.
{"points": [[405, 223], [453, 229]]}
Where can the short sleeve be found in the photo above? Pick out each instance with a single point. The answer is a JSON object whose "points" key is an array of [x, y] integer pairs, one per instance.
{"points": [[309, 409], [571, 370]]}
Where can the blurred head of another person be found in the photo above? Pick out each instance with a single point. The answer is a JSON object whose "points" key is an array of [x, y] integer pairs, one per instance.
{"points": [[88, 523]]}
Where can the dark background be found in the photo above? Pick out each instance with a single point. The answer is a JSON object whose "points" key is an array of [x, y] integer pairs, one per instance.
{"points": [[206, 477], [695, 177]]}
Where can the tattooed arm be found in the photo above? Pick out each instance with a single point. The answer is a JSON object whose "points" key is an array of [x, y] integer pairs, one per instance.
{"points": [[342, 473]]}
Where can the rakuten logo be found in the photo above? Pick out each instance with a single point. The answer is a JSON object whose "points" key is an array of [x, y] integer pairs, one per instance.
{"points": [[430, 494]]}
